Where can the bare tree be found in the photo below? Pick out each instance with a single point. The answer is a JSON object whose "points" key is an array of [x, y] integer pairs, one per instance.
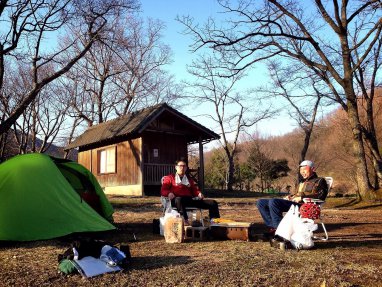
{"points": [[232, 112], [42, 121], [367, 82], [304, 94], [25, 27], [332, 39], [122, 73], [144, 56], [52, 112]]}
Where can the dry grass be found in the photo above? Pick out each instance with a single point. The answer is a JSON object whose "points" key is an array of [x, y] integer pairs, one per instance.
{"points": [[351, 257]]}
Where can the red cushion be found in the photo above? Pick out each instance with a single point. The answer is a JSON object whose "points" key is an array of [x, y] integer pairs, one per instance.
{"points": [[310, 210]]}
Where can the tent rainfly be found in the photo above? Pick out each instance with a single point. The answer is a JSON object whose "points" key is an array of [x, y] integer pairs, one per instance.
{"points": [[42, 197]]}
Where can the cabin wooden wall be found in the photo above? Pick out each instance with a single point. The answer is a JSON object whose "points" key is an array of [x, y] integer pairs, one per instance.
{"points": [[85, 158], [128, 160], [130, 157], [169, 147]]}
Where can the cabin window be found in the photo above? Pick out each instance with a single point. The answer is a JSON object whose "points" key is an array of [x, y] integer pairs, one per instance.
{"points": [[107, 160]]}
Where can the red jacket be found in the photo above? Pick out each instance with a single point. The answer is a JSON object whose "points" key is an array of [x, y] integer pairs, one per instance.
{"points": [[168, 185]]}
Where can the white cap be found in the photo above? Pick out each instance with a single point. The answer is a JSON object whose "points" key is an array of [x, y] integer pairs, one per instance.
{"points": [[307, 163]]}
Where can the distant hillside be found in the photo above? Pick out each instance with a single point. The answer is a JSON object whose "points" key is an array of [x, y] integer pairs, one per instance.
{"points": [[330, 148], [12, 148]]}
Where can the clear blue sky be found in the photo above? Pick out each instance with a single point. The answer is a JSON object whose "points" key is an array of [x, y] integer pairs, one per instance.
{"points": [[167, 11]]}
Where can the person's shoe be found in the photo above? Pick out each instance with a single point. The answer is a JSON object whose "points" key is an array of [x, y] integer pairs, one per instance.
{"points": [[280, 243], [286, 245], [275, 241], [270, 234], [186, 222]]}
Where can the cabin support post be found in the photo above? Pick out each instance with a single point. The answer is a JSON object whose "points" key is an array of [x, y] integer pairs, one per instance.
{"points": [[201, 168]]}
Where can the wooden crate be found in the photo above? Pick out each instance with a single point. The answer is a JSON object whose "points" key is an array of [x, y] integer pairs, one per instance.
{"points": [[232, 231]]}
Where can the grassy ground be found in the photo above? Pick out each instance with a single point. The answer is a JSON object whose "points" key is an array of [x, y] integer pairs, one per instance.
{"points": [[351, 257]]}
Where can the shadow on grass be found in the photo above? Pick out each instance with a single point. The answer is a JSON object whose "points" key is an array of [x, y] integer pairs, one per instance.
{"points": [[356, 203], [155, 262], [364, 236], [152, 207], [346, 243], [66, 240], [330, 227], [214, 193], [32, 244], [369, 206], [352, 202], [139, 208]]}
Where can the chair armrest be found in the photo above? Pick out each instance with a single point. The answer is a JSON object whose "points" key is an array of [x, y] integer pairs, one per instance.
{"points": [[166, 203], [164, 199], [314, 200]]}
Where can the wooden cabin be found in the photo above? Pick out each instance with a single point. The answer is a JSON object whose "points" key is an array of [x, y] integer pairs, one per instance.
{"points": [[129, 155]]}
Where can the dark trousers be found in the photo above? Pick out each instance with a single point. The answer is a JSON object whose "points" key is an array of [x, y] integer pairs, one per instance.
{"points": [[271, 210], [181, 203]]}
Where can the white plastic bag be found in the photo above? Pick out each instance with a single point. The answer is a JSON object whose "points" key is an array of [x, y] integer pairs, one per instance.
{"points": [[302, 233], [297, 230], [171, 213], [285, 228], [161, 225], [166, 203]]}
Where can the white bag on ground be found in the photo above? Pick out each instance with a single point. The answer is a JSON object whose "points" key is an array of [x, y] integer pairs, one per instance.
{"points": [[303, 233], [299, 231], [285, 228], [161, 226]]}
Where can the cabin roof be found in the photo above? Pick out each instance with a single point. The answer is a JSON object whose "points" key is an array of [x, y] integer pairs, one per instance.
{"points": [[134, 124]]}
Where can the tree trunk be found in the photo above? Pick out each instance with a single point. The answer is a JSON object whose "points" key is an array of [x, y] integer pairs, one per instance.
{"points": [[304, 150], [371, 139], [376, 158], [3, 141], [362, 176], [231, 172]]}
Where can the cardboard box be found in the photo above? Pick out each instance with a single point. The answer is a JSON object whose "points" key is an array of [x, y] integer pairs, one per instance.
{"points": [[232, 231]]}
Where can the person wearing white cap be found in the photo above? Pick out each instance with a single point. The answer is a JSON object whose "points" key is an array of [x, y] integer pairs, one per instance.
{"points": [[310, 186]]}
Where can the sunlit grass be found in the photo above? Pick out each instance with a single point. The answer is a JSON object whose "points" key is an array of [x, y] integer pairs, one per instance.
{"points": [[351, 257]]}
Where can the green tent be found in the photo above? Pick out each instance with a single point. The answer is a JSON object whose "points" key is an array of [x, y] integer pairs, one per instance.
{"points": [[42, 197]]}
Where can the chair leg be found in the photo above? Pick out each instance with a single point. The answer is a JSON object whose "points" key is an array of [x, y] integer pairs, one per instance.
{"points": [[326, 233], [201, 217], [194, 213]]}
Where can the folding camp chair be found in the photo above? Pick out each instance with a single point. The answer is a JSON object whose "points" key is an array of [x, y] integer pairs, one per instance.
{"points": [[166, 204], [194, 211], [320, 203]]}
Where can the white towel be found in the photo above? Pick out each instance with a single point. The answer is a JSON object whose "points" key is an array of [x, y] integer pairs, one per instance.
{"points": [[184, 180]]}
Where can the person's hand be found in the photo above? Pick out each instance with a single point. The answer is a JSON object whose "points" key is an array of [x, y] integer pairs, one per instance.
{"points": [[171, 196], [297, 199], [200, 195], [288, 197]]}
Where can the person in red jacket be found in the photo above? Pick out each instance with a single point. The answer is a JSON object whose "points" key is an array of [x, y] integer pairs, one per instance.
{"points": [[183, 192]]}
